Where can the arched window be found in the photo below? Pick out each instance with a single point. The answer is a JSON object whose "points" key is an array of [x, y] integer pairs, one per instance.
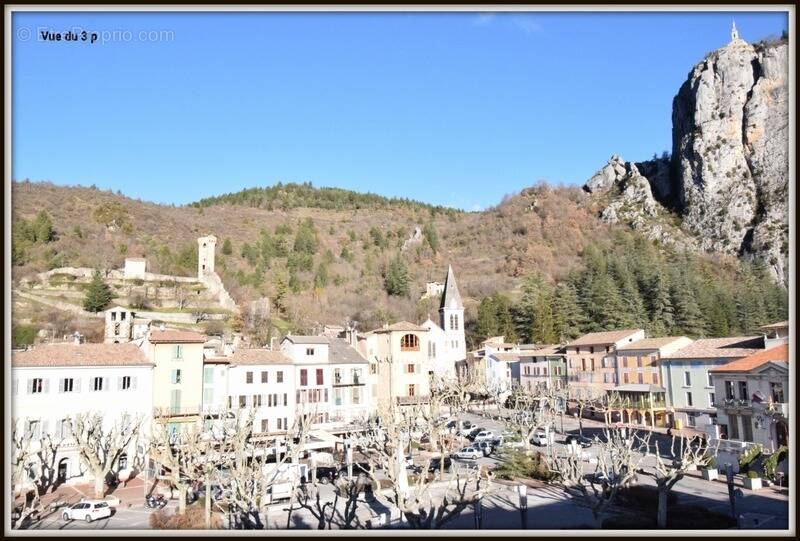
{"points": [[409, 342], [453, 322]]}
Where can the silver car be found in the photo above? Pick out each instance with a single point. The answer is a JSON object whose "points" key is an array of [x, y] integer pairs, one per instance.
{"points": [[87, 510]]}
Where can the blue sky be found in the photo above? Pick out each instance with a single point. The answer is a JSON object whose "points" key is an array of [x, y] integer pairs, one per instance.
{"points": [[452, 109]]}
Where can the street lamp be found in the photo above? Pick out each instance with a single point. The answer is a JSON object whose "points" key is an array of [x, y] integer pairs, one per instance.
{"points": [[522, 491]]}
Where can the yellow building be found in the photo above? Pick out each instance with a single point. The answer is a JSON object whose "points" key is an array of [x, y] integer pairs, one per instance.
{"points": [[178, 374]]}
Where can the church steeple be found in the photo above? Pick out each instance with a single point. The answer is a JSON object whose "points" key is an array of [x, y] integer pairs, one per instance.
{"points": [[734, 32], [451, 298]]}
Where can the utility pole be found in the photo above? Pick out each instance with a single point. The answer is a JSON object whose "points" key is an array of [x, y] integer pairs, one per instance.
{"points": [[731, 494], [522, 492]]}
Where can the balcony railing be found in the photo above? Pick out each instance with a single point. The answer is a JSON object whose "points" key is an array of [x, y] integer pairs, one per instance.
{"points": [[734, 403], [340, 382], [412, 400], [177, 411]]}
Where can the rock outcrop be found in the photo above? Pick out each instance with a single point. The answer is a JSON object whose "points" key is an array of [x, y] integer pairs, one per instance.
{"points": [[728, 174]]}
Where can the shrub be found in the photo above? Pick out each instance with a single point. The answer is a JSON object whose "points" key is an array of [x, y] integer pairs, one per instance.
{"points": [[752, 475], [749, 456], [192, 519], [22, 335], [519, 464], [772, 461]]}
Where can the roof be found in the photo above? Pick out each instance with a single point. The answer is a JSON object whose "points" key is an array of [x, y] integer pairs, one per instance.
{"points": [[719, 348], [137, 259], [341, 352], [651, 343], [494, 340], [451, 294], [751, 362], [546, 351], [244, 356], [80, 355], [176, 337], [301, 339], [506, 357], [602, 338], [639, 388], [402, 326], [779, 325], [216, 360]]}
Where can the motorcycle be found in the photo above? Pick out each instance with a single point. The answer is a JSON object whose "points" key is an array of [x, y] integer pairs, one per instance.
{"points": [[155, 502]]}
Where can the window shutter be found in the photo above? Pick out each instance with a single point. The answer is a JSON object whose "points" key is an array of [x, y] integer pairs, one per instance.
{"points": [[30, 386], [61, 385], [106, 383], [77, 385], [119, 383], [45, 426], [46, 385], [133, 383]]}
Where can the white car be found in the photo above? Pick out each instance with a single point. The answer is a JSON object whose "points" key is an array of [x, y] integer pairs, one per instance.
{"points": [[469, 453], [87, 510], [484, 435], [466, 428], [542, 438]]}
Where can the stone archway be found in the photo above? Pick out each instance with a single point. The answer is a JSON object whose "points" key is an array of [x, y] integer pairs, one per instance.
{"points": [[782, 433], [62, 473]]}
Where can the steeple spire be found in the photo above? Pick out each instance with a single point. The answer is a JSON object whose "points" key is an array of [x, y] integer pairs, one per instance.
{"points": [[734, 32], [451, 298]]}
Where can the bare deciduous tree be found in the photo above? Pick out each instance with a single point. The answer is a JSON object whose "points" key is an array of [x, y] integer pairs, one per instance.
{"points": [[33, 472], [688, 454], [100, 446]]}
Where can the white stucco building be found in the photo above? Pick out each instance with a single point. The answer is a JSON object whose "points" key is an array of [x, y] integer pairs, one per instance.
{"points": [[55, 382]]}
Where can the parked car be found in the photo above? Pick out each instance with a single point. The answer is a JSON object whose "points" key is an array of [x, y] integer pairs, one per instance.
{"points": [[498, 441], [542, 438], [466, 428], [436, 464], [486, 447], [469, 453], [474, 432], [327, 474], [112, 500], [483, 435], [87, 510], [583, 441]]}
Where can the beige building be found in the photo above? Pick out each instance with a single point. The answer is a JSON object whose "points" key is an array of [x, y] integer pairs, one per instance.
{"points": [[591, 361], [178, 374], [397, 356]]}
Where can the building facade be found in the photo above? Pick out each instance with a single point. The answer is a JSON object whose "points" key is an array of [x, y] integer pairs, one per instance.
{"points": [[591, 361], [544, 368]]}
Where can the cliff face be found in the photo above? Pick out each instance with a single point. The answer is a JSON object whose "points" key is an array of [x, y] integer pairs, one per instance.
{"points": [[730, 151], [728, 176]]}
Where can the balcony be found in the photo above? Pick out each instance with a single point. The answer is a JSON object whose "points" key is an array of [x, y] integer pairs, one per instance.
{"points": [[734, 403], [412, 400], [340, 382], [178, 411]]}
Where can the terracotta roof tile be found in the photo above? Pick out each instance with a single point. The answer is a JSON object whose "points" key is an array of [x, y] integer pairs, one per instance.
{"points": [[719, 348], [176, 337], [745, 364], [401, 326], [651, 343], [602, 338], [80, 355], [258, 356], [779, 325]]}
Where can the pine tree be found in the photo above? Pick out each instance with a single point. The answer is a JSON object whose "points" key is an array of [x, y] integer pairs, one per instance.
{"points": [[568, 318], [431, 236], [98, 294], [396, 280], [688, 318], [606, 309], [227, 247], [662, 313]]}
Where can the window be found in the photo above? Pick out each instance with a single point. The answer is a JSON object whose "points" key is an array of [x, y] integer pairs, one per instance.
{"points": [[356, 395], [310, 352], [410, 368], [176, 376], [285, 399], [691, 420], [175, 401], [123, 461], [412, 390], [248, 377], [356, 376], [687, 378], [125, 383], [710, 381], [256, 400], [337, 396], [326, 395], [373, 368], [711, 400], [747, 428], [280, 424], [431, 349], [583, 365], [274, 399], [269, 401], [122, 316], [116, 328], [36, 386], [625, 378], [242, 401], [97, 384], [34, 428], [639, 361], [337, 376], [733, 424], [63, 429], [689, 400], [641, 377], [776, 392], [409, 342], [453, 322], [743, 390], [591, 349], [113, 316], [279, 376], [729, 390], [208, 374], [177, 352], [320, 376], [208, 395], [303, 377], [264, 425], [67, 385], [655, 378]]}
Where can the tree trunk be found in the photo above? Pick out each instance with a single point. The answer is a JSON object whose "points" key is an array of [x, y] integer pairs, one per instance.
{"points": [[99, 484], [663, 492], [181, 499], [208, 502]]}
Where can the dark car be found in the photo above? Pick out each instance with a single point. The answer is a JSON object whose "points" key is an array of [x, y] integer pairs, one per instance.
{"points": [[327, 474], [474, 432], [359, 468], [583, 441], [436, 464]]}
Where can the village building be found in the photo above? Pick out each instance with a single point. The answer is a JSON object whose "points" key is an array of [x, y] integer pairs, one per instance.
{"points": [[591, 361], [691, 396], [56, 382], [312, 375], [776, 334], [544, 368], [177, 376], [752, 399]]}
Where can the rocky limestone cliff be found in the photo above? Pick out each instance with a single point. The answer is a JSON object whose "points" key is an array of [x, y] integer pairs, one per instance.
{"points": [[728, 176]]}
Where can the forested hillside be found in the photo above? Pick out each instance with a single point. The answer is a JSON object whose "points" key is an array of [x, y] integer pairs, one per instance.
{"points": [[540, 266]]}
